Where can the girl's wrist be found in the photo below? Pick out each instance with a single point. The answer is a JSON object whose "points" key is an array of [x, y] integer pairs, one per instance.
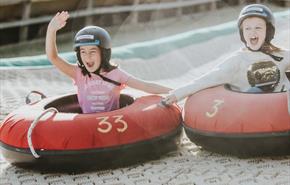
{"points": [[51, 30]]}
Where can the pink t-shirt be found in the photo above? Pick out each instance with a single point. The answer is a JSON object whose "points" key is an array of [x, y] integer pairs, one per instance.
{"points": [[97, 95]]}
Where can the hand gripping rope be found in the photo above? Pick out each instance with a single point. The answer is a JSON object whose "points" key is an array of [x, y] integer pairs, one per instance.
{"points": [[33, 124]]}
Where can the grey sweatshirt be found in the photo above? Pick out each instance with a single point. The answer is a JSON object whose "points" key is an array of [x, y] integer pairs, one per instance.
{"points": [[243, 69]]}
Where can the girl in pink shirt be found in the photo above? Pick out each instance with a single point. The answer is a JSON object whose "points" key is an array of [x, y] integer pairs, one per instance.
{"points": [[98, 82]]}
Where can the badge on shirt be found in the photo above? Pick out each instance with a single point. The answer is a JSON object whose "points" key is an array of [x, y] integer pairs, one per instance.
{"points": [[264, 75]]}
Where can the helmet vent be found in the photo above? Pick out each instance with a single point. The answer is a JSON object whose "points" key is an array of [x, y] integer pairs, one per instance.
{"points": [[254, 9], [85, 37]]}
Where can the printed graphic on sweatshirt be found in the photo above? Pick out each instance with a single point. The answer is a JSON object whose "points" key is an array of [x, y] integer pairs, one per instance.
{"points": [[99, 95], [264, 75]]}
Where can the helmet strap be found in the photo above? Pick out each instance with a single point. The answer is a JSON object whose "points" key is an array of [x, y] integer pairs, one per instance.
{"points": [[277, 58], [109, 80], [97, 72]]}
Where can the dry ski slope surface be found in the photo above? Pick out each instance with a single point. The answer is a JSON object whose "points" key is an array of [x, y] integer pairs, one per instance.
{"points": [[189, 164]]}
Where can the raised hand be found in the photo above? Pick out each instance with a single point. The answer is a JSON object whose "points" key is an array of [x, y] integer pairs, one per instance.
{"points": [[58, 21]]}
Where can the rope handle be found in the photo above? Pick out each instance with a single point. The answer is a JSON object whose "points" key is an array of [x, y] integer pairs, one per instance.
{"points": [[33, 124], [27, 99]]}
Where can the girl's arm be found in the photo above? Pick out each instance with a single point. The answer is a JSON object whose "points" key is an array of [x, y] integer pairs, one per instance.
{"points": [[56, 23], [222, 74], [148, 87], [288, 98]]}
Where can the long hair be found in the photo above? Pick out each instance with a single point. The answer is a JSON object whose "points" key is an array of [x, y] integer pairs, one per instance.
{"points": [[269, 48], [105, 62]]}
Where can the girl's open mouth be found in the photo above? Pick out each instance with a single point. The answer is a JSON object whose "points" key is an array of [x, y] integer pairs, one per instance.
{"points": [[254, 40], [90, 64]]}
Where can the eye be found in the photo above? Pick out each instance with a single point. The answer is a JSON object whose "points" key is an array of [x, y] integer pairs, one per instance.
{"points": [[83, 52], [93, 52]]}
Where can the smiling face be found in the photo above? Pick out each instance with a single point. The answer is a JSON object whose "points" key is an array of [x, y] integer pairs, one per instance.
{"points": [[254, 32], [91, 57]]}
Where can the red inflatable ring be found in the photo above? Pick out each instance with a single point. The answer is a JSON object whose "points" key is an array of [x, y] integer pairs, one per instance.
{"points": [[242, 124], [136, 131]]}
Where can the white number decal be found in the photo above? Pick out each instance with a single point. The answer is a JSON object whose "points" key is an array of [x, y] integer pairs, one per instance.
{"points": [[119, 120], [215, 107], [104, 122], [108, 126]]}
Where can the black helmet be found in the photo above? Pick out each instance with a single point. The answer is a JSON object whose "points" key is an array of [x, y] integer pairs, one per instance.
{"points": [[96, 36], [258, 10], [92, 35]]}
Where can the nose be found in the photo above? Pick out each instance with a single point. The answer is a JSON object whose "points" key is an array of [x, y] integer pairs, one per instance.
{"points": [[253, 33]]}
